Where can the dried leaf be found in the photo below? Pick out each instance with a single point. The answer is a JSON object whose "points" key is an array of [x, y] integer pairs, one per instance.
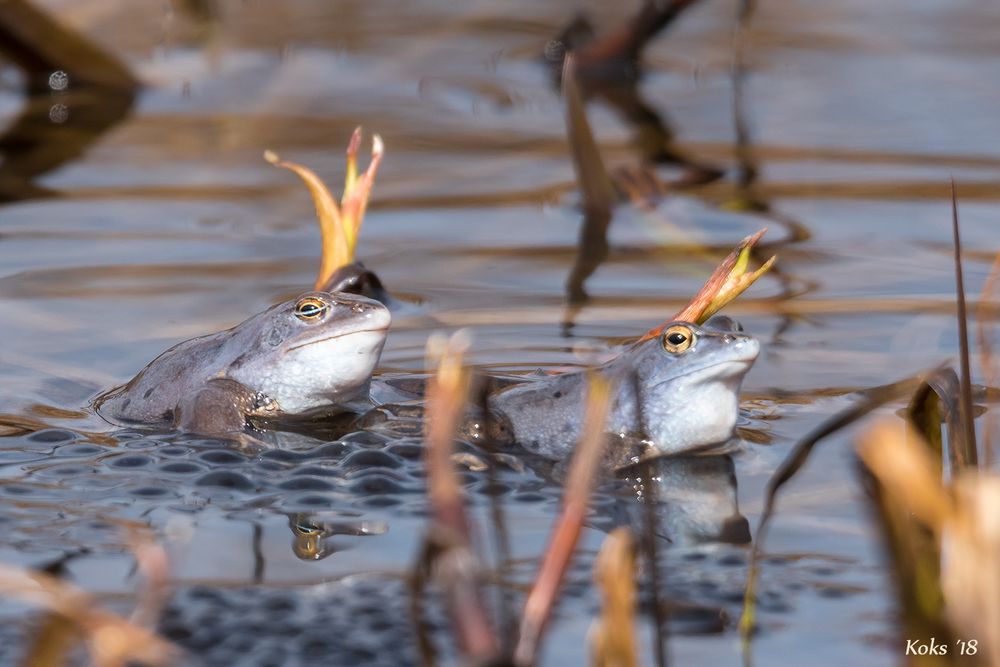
{"points": [[728, 281], [340, 225], [111, 640]]}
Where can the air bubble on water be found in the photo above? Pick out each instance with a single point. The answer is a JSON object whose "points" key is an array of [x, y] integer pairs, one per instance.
{"points": [[59, 80]]}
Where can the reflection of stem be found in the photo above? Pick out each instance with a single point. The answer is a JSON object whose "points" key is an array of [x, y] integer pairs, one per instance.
{"points": [[40, 46], [747, 165], [258, 554], [595, 190], [418, 588], [507, 623], [650, 500], [650, 497], [39, 141], [592, 250]]}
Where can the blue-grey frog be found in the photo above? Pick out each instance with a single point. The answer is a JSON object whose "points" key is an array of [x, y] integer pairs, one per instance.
{"points": [[678, 391], [309, 355]]}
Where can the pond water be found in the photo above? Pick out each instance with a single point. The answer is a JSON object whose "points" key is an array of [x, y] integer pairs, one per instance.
{"points": [[168, 223]]}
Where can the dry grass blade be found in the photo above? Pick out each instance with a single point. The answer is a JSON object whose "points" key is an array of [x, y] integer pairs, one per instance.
{"points": [[798, 456], [612, 637], [903, 481], [576, 495], [959, 558], [446, 395], [111, 640], [906, 470], [987, 298], [967, 449], [340, 224], [728, 281], [970, 578], [453, 563], [56, 637]]}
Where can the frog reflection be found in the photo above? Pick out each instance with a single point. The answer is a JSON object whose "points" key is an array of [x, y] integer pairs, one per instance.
{"points": [[695, 499], [311, 533]]}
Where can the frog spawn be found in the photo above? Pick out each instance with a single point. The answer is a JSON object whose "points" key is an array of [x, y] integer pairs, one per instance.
{"points": [[362, 480]]}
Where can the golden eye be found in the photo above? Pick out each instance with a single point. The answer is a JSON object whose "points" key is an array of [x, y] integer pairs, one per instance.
{"points": [[677, 338], [310, 308]]}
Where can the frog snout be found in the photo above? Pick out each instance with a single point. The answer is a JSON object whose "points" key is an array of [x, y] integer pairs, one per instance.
{"points": [[743, 347], [363, 309], [375, 314]]}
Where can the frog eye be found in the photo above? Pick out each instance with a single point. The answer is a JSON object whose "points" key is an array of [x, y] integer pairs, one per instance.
{"points": [[309, 309], [677, 338]]}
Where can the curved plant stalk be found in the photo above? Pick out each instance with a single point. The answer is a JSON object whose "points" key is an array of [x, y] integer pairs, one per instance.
{"points": [[448, 557], [339, 224], [566, 533]]}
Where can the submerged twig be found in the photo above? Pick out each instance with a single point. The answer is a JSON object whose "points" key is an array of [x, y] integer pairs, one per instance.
{"points": [[562, 543]]}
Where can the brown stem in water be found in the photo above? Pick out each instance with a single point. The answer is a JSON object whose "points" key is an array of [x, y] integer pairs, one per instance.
{"points": [[452, 562], [562, 544]]}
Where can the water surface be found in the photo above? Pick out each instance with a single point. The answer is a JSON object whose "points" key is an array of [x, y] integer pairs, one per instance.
{"points": [[170, 224]]}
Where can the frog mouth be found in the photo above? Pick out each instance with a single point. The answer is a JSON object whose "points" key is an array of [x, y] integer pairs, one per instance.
{"points": [[340, 335], [738, 365], [714, 370]]}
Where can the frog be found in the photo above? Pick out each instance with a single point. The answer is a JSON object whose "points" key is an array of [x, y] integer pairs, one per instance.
{"points": [[674, 393], [313, 355]]}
